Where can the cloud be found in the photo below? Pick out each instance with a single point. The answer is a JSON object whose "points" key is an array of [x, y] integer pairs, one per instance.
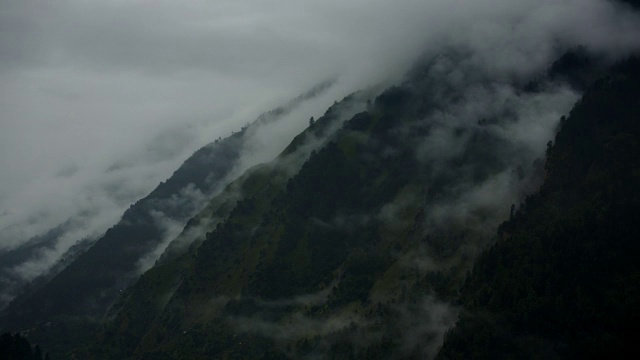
{"points": [[418, 327], [266, 141], [296, 327], [170, 227], [91, 86], [103, 100], [514, 127], [493, 126]]}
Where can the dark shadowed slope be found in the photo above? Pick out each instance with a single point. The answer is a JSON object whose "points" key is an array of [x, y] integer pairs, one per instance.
{"points": [[563, 280], [634, 3]]}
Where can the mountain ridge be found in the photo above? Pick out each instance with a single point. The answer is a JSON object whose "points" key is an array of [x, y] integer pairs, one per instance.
{"points": [[85, 293], [309, 255]]}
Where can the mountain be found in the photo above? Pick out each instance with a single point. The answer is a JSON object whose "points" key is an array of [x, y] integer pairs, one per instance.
{"points": [[84, 289], [389, 228], [634, 3], [358, 254], [356, 240], [10, 281], [561, 282], [13, 283]]}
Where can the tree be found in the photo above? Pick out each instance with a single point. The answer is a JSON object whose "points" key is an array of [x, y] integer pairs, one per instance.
{"points": [[38, 353]]}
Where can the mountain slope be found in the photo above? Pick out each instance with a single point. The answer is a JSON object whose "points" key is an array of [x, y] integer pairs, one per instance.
{"points": [[10, 280], [82, 292], [14, 347], [562, 281], [141, 304], [358, 252]]}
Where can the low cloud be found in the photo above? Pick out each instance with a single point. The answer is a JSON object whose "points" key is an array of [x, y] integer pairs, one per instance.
{"points": [[425, 324], [101, 102], [296, 327]]}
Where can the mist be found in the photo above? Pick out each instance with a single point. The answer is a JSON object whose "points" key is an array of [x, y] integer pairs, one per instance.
{"points": [[103, 100]]}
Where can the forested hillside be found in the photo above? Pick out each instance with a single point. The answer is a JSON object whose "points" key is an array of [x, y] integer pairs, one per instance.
{"points": [[377, 229], [77, 298], [562, 281]]}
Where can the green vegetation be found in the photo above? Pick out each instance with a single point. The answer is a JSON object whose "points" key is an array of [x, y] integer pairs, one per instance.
{"points": [[562, 281]]}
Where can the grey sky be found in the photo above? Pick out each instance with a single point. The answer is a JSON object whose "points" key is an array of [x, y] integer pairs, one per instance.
{"points": [[135, 86], [101, 100]]}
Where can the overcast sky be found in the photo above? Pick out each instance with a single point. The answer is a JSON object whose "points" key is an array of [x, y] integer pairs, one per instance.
{"points": [[102, 100]]}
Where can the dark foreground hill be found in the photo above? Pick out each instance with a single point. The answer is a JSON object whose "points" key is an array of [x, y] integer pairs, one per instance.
{"points": [[563, 280]]}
